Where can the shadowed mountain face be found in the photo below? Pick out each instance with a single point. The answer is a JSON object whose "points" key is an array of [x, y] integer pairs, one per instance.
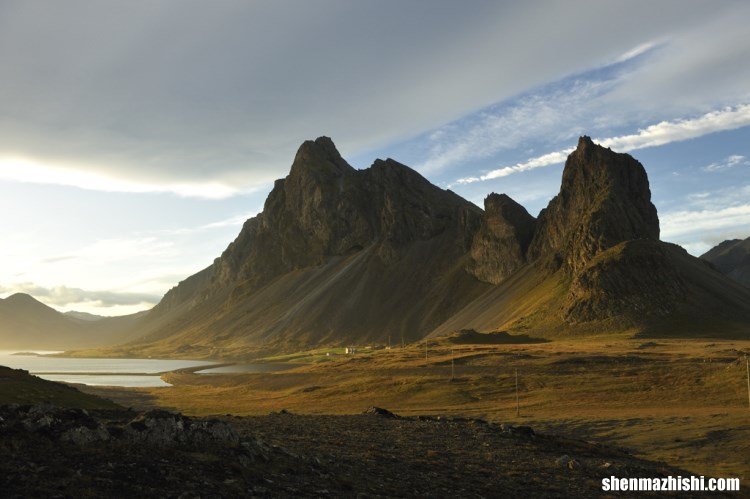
{"points": [[499, 245], [325, 208], [28, 323], [337, 255], [341, 256], [732, 258]]}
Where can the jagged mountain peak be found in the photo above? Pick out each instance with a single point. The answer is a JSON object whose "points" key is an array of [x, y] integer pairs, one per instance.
{"points": [[321, 157], [604, 199], [325, 208], [501, 203], [584, 144]]}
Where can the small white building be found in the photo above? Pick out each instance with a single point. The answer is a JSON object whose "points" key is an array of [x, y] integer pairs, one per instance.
{"points": [[350, 350]]}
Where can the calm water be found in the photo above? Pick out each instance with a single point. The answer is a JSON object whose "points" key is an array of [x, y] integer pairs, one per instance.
{"points": [[102, 372]]}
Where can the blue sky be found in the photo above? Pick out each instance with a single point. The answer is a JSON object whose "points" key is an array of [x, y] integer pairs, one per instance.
{"points": [[135, 139]]}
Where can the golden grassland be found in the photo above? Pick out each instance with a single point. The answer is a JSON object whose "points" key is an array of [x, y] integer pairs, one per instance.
{"points": [[680, 401]]}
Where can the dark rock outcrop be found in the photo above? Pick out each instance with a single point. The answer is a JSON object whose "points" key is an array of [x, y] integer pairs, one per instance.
{"points": [[156, 428], [163, 428], [604, 200], [379, 411], [499, 246]]}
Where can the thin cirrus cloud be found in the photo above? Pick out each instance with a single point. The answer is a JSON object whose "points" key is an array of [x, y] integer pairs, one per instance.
{"points": [[727, 163], [664, 132], [503, 128], [555, 112]]}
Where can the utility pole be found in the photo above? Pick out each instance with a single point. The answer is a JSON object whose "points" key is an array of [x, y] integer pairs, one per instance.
{"points": [[453, 370], [518, 407], [747, 366], [425, 351]]}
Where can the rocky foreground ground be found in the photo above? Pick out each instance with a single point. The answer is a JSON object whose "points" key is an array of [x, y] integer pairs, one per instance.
{"points": [[53, 452]]}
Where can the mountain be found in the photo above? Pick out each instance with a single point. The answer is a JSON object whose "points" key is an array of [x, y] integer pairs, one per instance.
{"points": [[732, 258], [337, 255], [84, 316], [346, 256], [604, 200], [596, 264], [26, 323]]}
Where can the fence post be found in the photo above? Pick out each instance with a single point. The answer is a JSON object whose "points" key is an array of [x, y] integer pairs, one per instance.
{"points": [[518, 406]]}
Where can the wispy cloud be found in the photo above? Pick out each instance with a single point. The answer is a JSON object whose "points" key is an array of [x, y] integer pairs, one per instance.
{"points": [[547, 113], [661, 133], [548, 159], [727, 163], [552, 113], [56, 259], [29, 171], [679, 223], [232, 221], [707, 218], [127, 248], [666, 132], [637, 51]]}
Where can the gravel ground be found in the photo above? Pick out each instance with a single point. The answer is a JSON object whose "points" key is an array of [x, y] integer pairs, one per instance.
{"points": [[51, 452]]}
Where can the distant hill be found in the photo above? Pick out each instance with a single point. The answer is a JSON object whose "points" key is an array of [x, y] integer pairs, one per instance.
{"points": [[26, 323], [732, 257], [84, 316], [346, 256]]}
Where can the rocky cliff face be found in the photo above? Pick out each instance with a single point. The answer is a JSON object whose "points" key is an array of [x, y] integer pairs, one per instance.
{"points": [[604, 200], [326, 208], [499, 245], [633, 280], [732, 257]]}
